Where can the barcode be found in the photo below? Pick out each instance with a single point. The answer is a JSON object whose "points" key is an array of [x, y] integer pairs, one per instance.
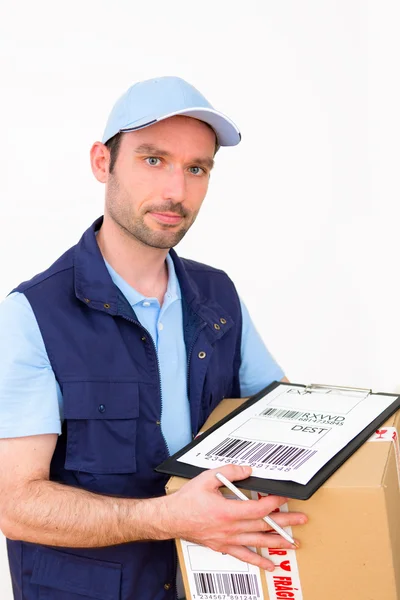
{"points": [[282, 413], [227, 583], [258, 452]]}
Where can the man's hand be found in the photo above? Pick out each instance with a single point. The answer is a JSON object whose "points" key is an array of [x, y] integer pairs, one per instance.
{"points": [[199, 513]]}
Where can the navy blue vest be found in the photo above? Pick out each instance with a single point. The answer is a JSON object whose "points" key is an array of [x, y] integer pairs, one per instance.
{"points": [[106, 365]]}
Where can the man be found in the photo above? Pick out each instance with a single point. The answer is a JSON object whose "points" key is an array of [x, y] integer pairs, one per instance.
{"points": [[112, 359]]}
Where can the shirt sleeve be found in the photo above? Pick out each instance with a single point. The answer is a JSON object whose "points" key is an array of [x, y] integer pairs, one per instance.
{"points": [[30, 397], [258, 367]]}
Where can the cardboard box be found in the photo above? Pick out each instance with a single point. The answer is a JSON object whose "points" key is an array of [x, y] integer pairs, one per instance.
{"points": [[350, 548]]}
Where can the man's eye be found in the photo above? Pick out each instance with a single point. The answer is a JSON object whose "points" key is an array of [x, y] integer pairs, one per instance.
{"points": [[196, 170], [152, 161]]}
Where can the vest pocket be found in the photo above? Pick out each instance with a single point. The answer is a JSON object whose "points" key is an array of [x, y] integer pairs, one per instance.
{"points": [[101, 419], [63, 576]]}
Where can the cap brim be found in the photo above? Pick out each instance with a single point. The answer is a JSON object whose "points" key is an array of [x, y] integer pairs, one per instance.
{"points": [[226, 131]]}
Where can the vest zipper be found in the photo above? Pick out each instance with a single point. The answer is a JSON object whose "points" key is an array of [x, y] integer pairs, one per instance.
{"points": [[161, 402], [159, 383], [159, 375], [176, 569], [160, 390]]}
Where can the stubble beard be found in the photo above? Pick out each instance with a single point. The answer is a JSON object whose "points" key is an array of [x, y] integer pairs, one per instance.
{"points": [[120, 209]]}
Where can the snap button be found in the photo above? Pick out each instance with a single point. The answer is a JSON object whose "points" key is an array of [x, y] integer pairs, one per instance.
{"points": [[106, 305], [160, 326], [223, 321], [167, 586], [143, 338], [216, 326], [158, 422], [87, 300], [102, 408], [202, 354]]}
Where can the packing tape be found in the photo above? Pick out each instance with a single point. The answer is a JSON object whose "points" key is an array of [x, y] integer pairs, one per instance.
{"points": [[388, 434], [284, 581]]}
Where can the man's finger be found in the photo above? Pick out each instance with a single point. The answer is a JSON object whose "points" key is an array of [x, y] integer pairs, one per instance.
{"points": [[255, 509], [260, 540], [282, 519], [248, 556]]}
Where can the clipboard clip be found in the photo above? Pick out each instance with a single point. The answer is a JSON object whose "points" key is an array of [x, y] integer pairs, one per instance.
{"points": [[320, 387]]}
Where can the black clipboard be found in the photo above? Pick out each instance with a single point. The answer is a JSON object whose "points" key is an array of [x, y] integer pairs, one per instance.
{"points": [[290, 489]]}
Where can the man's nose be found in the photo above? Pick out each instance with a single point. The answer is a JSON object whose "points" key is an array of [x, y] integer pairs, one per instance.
{"points": [[175, 185]]}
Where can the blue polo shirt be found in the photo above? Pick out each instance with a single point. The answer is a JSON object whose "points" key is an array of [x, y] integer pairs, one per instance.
{"points": [[31, 400]]}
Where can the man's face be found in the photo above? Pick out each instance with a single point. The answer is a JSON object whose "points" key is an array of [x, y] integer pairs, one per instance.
{"points": [[160, 179]]}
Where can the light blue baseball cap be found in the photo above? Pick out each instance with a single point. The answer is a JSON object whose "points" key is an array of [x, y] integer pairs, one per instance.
{"points": [[153, 100]]}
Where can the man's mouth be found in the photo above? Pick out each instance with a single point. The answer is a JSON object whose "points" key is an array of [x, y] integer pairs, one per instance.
{"points": [[167, 217]]}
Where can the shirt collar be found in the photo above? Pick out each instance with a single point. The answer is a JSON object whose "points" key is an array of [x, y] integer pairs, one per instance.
{"points": [[134, 297]]}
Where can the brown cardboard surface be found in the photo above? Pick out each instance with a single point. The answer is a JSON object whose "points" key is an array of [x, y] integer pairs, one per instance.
{"points": [[350, 548]]}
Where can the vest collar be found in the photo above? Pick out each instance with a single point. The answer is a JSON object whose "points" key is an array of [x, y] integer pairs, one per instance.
{"points": [[94, 286], [211, 312]]}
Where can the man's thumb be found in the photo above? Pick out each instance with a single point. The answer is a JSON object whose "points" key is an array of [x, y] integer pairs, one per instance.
{"points": [[232, 473]]}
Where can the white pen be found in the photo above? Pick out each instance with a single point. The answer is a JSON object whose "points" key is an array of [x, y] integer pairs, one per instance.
{"points": [[268, 520]]}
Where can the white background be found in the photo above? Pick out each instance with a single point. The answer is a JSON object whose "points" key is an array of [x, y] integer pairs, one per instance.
{"points": [[303, 214]]}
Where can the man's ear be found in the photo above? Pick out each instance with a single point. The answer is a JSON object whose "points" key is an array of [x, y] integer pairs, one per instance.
{"points": [[100, 161]]}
